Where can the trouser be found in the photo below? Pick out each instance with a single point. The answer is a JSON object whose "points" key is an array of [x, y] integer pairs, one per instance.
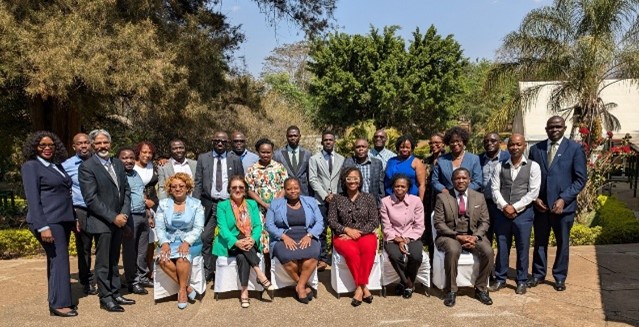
{"points": [[359, 255], [505, 229], [245, 261], [208, 234], [453, 249], [560, 225], [83, 244], [107, 255], [58, 275], [493, 212], [406, 269], [134, 249], [324, 252]]}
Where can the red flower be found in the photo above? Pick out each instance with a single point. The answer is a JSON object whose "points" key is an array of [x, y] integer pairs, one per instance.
{"points": [[609, 134], [615, 149], [584, 131], [625, 149]]}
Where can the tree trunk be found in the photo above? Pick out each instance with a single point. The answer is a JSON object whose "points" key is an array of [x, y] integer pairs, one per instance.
{"points": [[52, 115]]}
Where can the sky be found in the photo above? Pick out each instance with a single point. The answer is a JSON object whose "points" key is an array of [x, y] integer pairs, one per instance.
{"points": [[478, 25]]}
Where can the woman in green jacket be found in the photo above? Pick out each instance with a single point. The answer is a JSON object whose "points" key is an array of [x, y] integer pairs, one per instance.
{"points": [[240, 229]]}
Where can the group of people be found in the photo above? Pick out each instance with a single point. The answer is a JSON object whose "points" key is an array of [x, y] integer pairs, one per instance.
{"points": [[277, 204]]}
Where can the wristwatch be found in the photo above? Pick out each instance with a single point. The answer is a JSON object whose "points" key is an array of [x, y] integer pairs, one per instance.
{"points": [[309, 235]]}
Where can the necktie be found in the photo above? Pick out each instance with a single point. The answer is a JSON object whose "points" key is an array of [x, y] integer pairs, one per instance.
{"points": [[330, 164], [218, 174], [552, 152], [111, 171], [462, 205], [294, 161]]}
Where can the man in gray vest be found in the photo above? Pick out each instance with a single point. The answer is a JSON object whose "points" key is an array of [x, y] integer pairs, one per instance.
{"points": [[515, 185]]}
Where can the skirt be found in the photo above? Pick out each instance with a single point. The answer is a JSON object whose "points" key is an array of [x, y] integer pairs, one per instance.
{"points": [[285, 255]]}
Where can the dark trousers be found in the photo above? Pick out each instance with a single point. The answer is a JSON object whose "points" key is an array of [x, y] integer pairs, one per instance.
{"points": [[245, 261], [58, 275], [453, 249], [407, 270], [134, 249], [493, 212], [560, 225], [208, 234], [107, 255], [505, 229], [324, 251], [83, 244]]}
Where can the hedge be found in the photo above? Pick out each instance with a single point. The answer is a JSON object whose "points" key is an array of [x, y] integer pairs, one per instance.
{"points": [[21, 243], [617, 221]]}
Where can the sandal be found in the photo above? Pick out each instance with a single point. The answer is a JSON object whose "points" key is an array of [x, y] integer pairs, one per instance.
{"points": [[181, 305], [266, 284], [245, 302]]}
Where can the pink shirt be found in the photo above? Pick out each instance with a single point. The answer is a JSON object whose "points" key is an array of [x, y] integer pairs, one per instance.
{"points": [[402, 218]]}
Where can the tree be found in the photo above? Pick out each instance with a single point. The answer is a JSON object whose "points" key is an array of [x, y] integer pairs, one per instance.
{"points": [[375, 76], [290, 60], [578, 48]]}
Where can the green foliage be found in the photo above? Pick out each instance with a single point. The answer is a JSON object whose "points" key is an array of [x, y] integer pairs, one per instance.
{"points": [[16, 243], [618, 223]]}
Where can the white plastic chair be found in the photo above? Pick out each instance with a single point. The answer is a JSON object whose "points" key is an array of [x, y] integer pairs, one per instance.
{"points": [[390, 276], [164, 286], [226, 278], [281, 279], [342, 280]]}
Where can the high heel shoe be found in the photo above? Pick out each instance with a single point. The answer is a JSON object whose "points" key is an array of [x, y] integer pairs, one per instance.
{"points": [[266, 284], [299, 299], [55, 312], [356, 303], [368, 299], [192, 295], [181, 305]]}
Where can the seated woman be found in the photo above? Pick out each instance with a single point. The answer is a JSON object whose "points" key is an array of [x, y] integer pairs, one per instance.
{"points": [[178, 223], [240, 229], [403, 226], [353, 218], [294, 224]]}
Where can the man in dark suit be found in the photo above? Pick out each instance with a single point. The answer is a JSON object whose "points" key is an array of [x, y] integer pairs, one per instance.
{"points": [[295, 158], [108, 198], [563, 176], [211, 180], [178, 163], [371, 168], [461, 221]]}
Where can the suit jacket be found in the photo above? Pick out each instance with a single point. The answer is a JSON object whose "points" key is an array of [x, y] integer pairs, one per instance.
{"points": [[277, 221], [190, 232], [446, 213], [204, 173], [48, 194], [443, 172], [376, 187], [321, 181], [281, 156], [167, 171], [103, 198], [228, 229], [567, 175]]}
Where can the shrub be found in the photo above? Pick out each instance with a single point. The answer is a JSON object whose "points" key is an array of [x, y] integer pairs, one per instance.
{"points": [[16, 243], [617, 221]]}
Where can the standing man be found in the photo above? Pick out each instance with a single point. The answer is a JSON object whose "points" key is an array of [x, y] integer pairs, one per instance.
{"points": [[178, 163], [323, 175], [238, 145], [83, 240], [295, 158], [515, 185], [379, 150], [372, 169], [461, 220], [211, 182], [563, 176], [108, 198], [491, 158]]}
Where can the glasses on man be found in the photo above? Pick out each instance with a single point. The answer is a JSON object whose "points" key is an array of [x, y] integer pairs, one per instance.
{"points": [[43, 146], [219, 141], [352, 179]]}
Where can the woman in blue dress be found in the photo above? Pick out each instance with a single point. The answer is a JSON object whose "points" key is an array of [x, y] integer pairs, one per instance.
{"points": [[178, 224], [405, 163]]}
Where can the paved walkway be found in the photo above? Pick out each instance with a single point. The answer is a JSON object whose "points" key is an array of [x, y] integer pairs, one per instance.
{"points": [[603, 289]]}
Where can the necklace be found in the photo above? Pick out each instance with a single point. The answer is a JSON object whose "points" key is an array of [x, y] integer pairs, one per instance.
{"points": [[178, 203]]}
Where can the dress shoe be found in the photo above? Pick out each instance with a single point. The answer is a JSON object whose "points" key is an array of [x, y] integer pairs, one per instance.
{"points": [[408, 293], [450, 299], [124, 301], [321, 266], [560, 286], [521, 288], [56, 312], [137, 289], [534, 282], [483, 297], [368, 299], [111, 307], [90, 289], [146, 283], [497, 285], [355, 302]]}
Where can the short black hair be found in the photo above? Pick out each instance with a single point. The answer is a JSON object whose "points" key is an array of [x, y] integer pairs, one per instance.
{"points": [[327, 133], [459, 131], [125, 148], [345, 172], [404, 138], [30, 145], [263, 141], [292, 179], [397, 177], [293, 128], [464, 169]]}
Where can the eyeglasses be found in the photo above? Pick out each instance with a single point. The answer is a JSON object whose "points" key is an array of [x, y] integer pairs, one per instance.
{"points": [[352, 179], [43, 146], [178, 186], [219, 141], [241, 188]]}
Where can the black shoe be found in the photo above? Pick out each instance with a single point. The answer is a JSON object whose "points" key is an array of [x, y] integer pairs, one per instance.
{"points": [[497, 285], [111, 307], [356, 303], [399, 289], [55, 312], [146, 283], [521, 288], [124, 301], [299, 299], [137, 289], [90, 289], [309, 296], [483, 297], [368, 299], [450, 298], [560, 286], [534, 282], [408, 293]]}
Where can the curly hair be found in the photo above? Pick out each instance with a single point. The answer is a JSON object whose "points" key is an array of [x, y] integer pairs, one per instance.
{"points": [[183, 177], [345, 172], [397, 177], [30, 147], [456, 131], [138, 149], [404, 138]]}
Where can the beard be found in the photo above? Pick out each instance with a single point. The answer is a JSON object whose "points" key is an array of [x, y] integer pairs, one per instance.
{"points": [[103, 153]]}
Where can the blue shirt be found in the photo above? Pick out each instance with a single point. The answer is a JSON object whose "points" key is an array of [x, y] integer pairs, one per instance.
{"points": [[248, 159], [137, 191], [71, 166]]}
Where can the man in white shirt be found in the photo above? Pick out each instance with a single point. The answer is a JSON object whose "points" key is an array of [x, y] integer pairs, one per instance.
{"points": [[178, 163]]}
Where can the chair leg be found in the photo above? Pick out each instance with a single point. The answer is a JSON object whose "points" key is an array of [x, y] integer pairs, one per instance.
{"points": [[314, 292], [383, 291]]}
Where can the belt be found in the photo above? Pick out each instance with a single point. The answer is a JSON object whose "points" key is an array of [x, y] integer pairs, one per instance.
{"points": [[80, 207]]}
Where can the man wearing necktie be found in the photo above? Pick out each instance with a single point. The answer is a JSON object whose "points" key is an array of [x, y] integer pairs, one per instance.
{"points": [[563, 176], [461, 221], [295, 158]]}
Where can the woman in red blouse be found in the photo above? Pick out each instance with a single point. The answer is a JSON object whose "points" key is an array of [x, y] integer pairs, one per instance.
{"points": [[353, 218]]}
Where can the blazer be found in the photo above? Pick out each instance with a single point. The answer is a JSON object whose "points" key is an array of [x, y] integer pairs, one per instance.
{"points": [[281, 156], [163, 222], [321, 181], [48, 194], [103, 198], [446, 214], [277, 221], [443, 172], [204, 173], [567, 175], [228, 231], [167, 171], [376, 188]]}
